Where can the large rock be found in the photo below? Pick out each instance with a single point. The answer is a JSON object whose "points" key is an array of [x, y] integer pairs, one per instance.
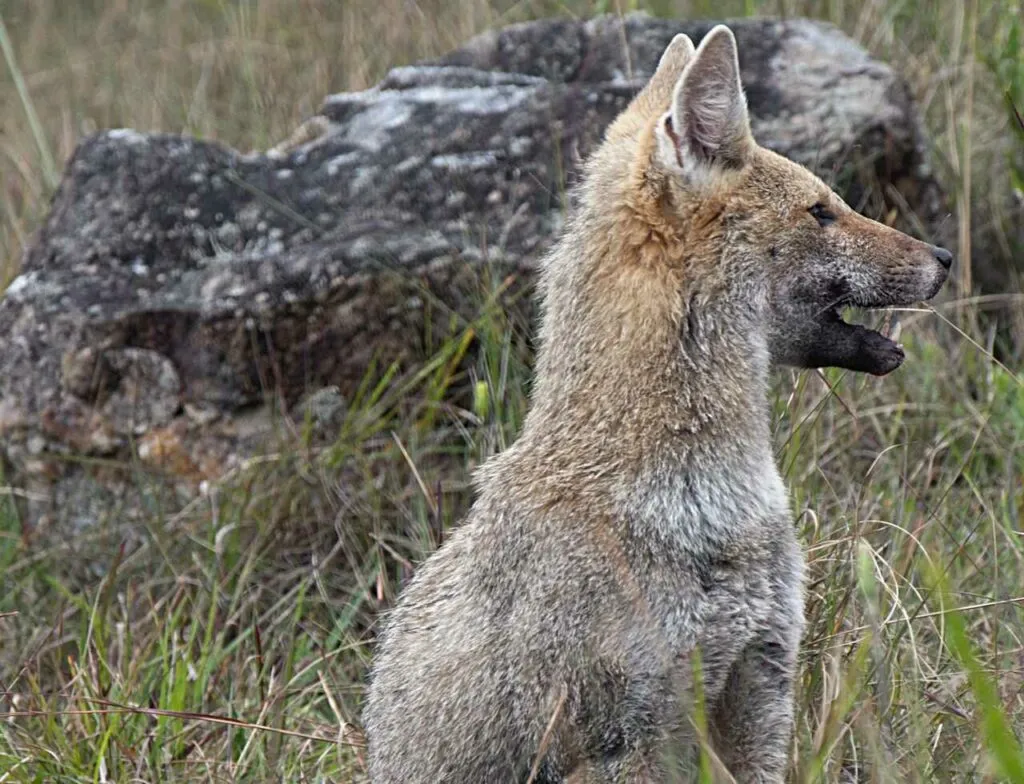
{"points": [[177, 284]]}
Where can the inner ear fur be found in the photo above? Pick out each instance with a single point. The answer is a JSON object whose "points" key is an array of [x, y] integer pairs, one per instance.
{"points": [[708, 123]]}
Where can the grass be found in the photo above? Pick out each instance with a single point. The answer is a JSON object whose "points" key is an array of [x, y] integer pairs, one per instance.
{"points": [[230, 641]]}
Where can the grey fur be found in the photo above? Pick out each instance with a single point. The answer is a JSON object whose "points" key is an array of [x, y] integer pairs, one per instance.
{"points": [[639, 518]]}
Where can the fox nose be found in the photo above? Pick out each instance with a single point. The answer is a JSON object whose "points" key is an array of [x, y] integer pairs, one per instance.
{"points": [[943, 256]]}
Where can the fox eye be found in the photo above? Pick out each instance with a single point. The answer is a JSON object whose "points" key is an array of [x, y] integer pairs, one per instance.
{"points": [[822, 214]]}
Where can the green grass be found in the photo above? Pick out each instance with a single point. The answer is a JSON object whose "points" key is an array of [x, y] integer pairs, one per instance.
{"points": [[229, 641]]}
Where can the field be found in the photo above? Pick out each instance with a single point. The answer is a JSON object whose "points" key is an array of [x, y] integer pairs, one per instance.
{"points": [[231, 645]]}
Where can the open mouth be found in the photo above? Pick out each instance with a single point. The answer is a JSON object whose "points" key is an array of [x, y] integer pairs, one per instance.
{"points": [[840, 343]]}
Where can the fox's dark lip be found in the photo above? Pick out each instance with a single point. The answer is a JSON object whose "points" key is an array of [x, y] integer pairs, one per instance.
{"points": [[886, 353]]}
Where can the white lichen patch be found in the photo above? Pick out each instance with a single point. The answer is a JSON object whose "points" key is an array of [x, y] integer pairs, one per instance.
{"points": [[338, 162], [127, 135], [31, 285], [467, 161]]}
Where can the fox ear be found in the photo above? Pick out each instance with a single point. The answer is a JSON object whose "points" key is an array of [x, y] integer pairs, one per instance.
{"points": [[657, 93], [708, 124]]}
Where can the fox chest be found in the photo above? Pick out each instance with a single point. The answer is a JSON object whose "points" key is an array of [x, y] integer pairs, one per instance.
{"points": [[713, 612], [720, 563]]}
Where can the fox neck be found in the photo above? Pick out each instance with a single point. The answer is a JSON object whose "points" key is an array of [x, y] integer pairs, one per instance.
{"points": [[643, 359]]}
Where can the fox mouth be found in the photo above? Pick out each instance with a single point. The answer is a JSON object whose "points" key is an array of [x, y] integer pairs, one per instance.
{"points": [[809, 327], [863, 349]]}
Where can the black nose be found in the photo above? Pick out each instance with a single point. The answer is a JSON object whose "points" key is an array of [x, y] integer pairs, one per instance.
{"points": [[943, 256]]}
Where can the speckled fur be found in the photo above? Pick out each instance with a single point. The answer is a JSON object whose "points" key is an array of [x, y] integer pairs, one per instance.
{"points": [[640, 516]]}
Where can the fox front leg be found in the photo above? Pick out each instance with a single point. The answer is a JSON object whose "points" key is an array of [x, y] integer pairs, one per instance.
{"points": [[751, 721]]}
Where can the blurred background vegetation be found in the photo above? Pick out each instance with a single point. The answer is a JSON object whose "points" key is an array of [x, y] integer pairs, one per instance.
{"points": [[232, 645]]}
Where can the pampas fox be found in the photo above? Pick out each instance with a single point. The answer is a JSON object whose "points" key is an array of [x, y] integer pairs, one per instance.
{"points": [[638, 536]]}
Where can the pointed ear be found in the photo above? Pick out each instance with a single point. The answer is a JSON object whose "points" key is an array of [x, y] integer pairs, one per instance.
{"points": [[708, 122], [657, 93]]}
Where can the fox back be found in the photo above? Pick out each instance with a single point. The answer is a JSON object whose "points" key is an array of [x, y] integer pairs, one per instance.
{"points": [[637, 536]]}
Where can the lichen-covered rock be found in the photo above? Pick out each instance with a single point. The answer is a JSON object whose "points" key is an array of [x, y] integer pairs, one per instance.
{"points": [[177, 283]]}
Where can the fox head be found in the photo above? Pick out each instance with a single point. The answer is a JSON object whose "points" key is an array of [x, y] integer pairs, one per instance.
{"points": [[739, 218]]}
